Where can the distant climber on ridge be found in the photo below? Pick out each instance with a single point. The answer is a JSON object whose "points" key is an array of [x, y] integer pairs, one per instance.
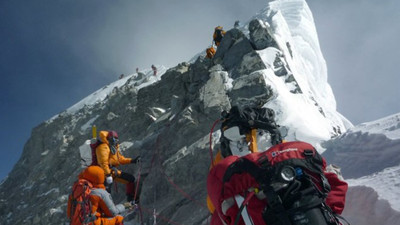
{"points": [[154, 68], [219, 33], [217, 37], [109, 158], [210, 52]]}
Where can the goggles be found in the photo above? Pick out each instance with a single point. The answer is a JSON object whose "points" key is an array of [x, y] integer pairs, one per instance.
{"points": [[113, 141]]}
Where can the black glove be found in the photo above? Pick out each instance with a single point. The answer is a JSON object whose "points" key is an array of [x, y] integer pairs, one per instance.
{"points": [[136, 160], [115, 172]]}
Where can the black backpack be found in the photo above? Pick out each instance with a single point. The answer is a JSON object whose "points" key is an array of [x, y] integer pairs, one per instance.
{"points": [[218, 35], [246, 119]]}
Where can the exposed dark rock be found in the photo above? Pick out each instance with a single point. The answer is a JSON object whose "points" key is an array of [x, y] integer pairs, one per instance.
{"points": [[260, 36]]}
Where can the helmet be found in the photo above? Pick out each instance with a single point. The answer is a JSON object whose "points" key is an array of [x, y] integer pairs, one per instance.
{"points": [[112, 133]]}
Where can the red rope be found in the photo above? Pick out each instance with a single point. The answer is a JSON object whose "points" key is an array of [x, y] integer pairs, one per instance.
{"points": [[137, 183], [182, 191], [211, 150], [153, 162]]}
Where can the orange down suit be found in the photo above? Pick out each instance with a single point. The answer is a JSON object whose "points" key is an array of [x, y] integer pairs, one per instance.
{"points": [[106, 159], [107, 213]]}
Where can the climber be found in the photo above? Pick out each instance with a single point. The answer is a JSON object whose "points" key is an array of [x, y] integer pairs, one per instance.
{"points": [[96, 205], [109, 158], [217, 37], [245, 130], [210, 52], [154, 70], [219, 33], [233, 179]]}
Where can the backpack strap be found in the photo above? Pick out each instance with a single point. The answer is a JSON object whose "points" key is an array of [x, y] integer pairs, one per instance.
{"points": [[243, 203]]}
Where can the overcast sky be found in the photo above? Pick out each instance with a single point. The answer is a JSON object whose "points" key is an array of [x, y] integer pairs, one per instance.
{"points": [[55, 52]]}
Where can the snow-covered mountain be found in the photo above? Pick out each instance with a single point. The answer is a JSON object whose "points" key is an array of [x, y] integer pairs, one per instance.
{"points": [[273, 61], [369, 156]]}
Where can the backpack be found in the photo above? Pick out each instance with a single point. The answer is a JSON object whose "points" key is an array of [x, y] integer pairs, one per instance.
{"points": [[246, 119], [79, 205], [93, 147], [218, 35], [291, 177], [88, 152]]}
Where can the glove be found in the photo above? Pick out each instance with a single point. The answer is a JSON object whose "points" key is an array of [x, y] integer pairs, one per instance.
{"points": [[115, 171], [128, 205], [136, 160], [109, 179]]}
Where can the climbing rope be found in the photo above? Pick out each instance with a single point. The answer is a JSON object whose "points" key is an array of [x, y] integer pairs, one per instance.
{"points": [[156, 162]]}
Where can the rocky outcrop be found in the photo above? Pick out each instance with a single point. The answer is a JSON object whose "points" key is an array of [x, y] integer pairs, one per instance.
{"points": [[260, 35]]}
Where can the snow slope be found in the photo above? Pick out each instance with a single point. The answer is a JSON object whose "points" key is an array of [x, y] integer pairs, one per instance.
{"points": [[389, 126], [101, 94]]}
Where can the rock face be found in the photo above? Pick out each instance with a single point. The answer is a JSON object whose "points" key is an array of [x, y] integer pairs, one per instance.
{"points": [[168, 123], [364, 207], [374, 151]]}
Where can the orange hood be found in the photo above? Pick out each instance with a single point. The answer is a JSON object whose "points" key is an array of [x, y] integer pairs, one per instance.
{"points": [[95, 175], [103, 136]]}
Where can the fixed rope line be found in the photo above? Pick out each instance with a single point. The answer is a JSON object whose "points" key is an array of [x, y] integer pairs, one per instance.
{"points": [[186, 195], [138, 179], [156, 157]]}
